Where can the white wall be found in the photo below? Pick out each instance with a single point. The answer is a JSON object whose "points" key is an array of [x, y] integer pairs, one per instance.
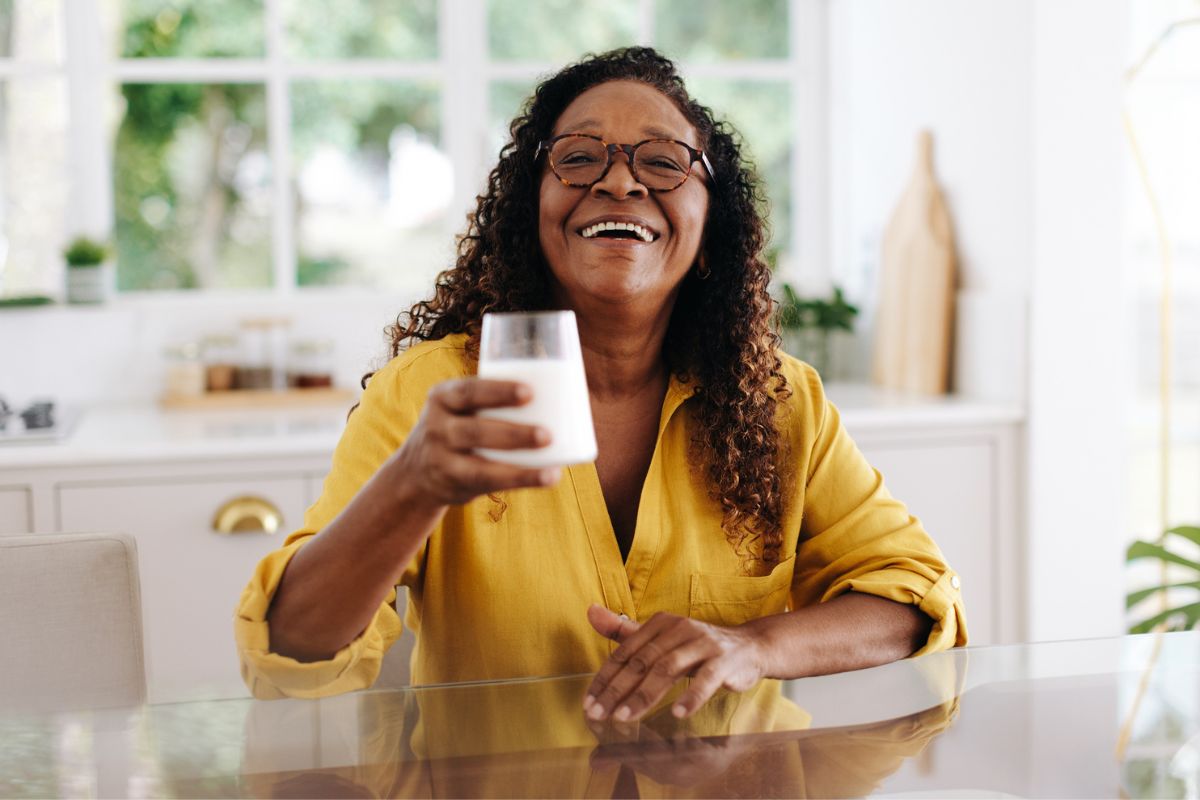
{"points": [[1023, 99], [1081, 380], [964, 71]]}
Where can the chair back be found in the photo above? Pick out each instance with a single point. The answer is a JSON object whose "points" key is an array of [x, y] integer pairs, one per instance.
{"points": [[70, 622]]}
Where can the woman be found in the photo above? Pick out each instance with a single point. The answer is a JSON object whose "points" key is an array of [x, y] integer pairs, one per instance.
{"points": [[729, 529]]}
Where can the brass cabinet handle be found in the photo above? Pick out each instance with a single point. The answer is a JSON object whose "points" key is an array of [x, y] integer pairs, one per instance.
{"points": [[247, 514]]}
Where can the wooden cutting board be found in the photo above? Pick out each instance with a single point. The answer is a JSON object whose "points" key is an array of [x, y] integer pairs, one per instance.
{"points": [[915, 321]]}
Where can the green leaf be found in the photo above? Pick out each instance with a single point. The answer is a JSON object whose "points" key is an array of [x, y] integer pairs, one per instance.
{"points": [[788, 292], [1133, 598], [83, 251], [1188, 532], [1140, 549], [1191, 613]]}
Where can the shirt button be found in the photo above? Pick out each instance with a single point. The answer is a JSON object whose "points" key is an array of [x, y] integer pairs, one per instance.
{"points": [[955, 582]]}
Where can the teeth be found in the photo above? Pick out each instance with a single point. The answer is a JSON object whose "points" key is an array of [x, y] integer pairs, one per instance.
{"points": [[643, 234]]}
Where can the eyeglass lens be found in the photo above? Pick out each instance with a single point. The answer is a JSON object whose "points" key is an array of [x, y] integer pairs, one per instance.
{"points": [[580, 161]]}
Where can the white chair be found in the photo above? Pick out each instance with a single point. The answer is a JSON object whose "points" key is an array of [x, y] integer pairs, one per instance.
{"points": [[70, 622]]}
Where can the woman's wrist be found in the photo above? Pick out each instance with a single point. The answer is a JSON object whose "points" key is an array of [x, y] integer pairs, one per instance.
{"points": [[402, 493], [776, 648]]}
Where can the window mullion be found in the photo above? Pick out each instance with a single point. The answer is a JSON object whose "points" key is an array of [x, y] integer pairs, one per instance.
{"points": [[90, 204], [279, 143], [807, 34], [462, 40], [646, 32]]}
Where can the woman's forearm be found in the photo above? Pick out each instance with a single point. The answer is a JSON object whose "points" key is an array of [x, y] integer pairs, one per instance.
{"points": [[852, 631], [334, 585]]}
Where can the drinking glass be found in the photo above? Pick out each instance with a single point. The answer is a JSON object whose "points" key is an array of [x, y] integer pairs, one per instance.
{"points": [[541, 350]]}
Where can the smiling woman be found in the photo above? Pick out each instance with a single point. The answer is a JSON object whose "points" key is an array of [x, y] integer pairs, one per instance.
{"points": [[728, 530]]}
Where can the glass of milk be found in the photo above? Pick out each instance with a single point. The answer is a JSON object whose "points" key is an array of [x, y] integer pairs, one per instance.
{"points": [[541, 350]]}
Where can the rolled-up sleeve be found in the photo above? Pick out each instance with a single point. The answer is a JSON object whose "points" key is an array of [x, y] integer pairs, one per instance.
{"points": [[374, 431], [269, 675], [856, 537]]}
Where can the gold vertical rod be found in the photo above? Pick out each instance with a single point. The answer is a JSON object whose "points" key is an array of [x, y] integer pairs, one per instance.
{"points": [[1166, 359]]}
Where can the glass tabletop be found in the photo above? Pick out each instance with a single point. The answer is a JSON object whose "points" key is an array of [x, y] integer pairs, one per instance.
{"points": [[1095, 718]]}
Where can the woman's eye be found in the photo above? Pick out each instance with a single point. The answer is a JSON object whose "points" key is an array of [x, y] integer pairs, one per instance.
{"points": [[578, 158], [665, 163]]}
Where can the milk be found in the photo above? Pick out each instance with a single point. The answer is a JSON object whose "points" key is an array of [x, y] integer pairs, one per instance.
{"points": [[560, 404]]}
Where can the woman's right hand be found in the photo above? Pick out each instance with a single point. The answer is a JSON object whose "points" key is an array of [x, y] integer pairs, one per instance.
{"points": [[438, 460]]}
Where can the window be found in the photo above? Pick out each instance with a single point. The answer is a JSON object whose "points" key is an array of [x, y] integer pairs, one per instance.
{"points": [[33, 129], [284, 144]]}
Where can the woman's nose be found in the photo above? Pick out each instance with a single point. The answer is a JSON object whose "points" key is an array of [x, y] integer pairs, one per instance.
{"points": [[619, 180]]}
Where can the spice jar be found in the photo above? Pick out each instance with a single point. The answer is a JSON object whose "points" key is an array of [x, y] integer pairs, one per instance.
{"points": [[221, 356], [184, 375], [310, 364], [262, 351]]}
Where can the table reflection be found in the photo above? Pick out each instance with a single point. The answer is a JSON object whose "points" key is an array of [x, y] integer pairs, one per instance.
{"points": [[532, 739]]}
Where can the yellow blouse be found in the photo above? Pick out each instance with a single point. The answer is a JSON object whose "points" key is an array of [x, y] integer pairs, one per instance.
{"points": [[501, 587]]}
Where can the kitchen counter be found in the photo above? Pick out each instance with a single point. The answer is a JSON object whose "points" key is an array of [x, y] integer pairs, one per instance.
{"points": [[146, 433], [132, 433]]}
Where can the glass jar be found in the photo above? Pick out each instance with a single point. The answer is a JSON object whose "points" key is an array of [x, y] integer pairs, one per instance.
{"points": [[310, 364], [261, 366], [222, 353], [184, 375]]}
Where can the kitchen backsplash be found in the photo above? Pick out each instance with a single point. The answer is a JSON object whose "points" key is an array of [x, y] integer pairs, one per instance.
{"points": [[85, 355]]}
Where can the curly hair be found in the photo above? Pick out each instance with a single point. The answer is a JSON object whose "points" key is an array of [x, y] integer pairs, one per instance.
{"points": [[720, 335]]}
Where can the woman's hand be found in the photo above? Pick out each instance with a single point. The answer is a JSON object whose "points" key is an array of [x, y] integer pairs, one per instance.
{"points": [[438, 458], [682, 760], [654, 655]]}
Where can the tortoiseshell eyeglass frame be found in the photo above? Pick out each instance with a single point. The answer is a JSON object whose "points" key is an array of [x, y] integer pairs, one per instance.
{"points": [[628, 150]]}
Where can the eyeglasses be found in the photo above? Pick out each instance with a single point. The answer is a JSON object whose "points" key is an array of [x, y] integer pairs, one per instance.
{"points": [[582, 160]]}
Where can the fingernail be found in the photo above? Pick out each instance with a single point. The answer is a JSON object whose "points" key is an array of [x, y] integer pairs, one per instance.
{"points": [[541, 437], [550, 476], [596, 712], [678, 710], [522, 392], [623, 713], [588, 700]]}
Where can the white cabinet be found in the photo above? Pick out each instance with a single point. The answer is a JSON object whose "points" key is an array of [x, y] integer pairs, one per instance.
{"points": [[191, 575], [16, 503], [957, 485]]}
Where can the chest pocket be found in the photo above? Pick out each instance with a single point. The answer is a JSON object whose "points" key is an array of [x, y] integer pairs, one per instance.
{"points": [[732, 600]]}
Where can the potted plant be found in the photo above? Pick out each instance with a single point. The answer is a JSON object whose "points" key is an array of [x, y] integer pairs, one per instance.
{"points": [[808, 324], [1180, 617], [88, 270]]}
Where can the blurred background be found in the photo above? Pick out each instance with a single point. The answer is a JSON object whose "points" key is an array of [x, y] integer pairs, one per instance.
{"points": [[308, 163]]}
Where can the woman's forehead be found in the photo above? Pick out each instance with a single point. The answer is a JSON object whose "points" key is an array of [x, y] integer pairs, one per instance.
{"points": [[624, 109]]}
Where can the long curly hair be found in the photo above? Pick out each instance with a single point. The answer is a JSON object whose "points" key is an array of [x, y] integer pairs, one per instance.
{"points": [[720, 336]]}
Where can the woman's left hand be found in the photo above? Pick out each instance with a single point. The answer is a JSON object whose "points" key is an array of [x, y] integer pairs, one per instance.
{"points": [[655, 654]]}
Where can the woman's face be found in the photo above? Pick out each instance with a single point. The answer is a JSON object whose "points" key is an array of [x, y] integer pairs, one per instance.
{"points": [[622, 270]]}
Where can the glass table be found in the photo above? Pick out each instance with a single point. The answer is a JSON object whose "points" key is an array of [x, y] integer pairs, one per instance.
{"points": [[1094, 718]]}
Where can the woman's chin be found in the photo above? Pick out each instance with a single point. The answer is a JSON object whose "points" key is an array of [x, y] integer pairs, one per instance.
{"points": [[619, 281], [626, 289]]}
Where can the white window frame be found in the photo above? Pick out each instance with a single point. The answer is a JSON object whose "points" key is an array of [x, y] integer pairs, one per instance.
{"points": [[464, 73]]}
